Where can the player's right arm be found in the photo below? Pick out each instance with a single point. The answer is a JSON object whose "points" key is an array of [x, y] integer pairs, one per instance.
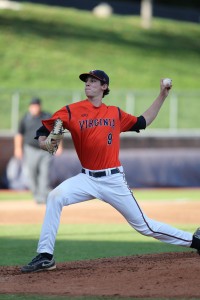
{"points": [[130, 122], [151, 113]]}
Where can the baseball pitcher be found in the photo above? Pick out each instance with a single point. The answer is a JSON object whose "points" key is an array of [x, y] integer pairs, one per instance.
{"points": [[95, 129]]}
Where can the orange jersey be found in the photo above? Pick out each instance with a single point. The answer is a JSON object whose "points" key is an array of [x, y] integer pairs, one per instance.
{"points": [[95, 132]]}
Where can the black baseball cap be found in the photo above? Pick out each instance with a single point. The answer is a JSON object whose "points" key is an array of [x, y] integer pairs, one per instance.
{"points": [[35, 101], [99, 74]]}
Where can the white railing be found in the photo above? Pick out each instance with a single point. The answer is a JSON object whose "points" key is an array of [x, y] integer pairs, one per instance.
{"points": [[180, 113]]}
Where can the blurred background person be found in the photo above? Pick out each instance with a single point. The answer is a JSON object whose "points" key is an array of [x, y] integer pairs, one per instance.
{"points": [[26, 149]]}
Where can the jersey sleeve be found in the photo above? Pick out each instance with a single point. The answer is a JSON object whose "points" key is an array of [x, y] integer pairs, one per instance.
{"points": [[140, 124], [42, 131], [63, 114], [126, 121]]}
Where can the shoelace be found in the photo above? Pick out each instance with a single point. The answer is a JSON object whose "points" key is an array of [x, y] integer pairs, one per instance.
{"points": [[35, 259]]}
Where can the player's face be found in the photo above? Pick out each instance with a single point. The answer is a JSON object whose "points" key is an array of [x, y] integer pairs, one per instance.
{"points": [[93, 87], [34, 109]]}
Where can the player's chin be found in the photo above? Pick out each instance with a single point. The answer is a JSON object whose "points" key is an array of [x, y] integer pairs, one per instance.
{"points": [[88, 93]]}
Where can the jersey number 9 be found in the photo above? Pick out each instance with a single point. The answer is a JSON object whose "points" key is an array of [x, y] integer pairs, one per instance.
{"points": [[109, 138]]}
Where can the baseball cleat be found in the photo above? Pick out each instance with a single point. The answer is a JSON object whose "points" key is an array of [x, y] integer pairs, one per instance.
{"points": [[197, 236], [39, 263], [197, 233]]}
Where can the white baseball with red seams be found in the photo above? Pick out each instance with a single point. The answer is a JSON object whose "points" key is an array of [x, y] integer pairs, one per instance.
{"points": [[167, 82]]}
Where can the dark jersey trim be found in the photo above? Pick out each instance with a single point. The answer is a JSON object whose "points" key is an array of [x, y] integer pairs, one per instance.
{"points": [[140, 124], [42, 131], [69, 112], [119, 111]]}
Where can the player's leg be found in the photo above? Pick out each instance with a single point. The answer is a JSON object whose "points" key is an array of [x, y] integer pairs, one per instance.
{"points": [[118, 194], [73, 190]]}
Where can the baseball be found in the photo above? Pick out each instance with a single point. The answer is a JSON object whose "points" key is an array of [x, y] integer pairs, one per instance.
{"points": [[167, 82]]}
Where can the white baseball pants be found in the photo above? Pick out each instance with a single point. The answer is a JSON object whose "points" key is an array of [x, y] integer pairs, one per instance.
{"points": [[114, 190]]}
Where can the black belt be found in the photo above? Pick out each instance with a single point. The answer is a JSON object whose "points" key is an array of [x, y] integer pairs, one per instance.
{"points": [[101, 173]]}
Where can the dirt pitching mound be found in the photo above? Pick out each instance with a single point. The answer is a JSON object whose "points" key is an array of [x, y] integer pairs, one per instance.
{"points": [[157, 275]]}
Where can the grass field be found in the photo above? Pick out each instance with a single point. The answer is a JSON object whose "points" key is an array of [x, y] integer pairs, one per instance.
{"points": [[44, 49]]}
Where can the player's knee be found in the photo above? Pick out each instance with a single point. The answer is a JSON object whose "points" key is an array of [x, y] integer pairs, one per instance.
{"points": [[56, 197], [142, 228], [144, 231]]}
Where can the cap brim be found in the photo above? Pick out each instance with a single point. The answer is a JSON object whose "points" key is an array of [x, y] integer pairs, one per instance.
{"points": [[35, 102], [84, 76]]}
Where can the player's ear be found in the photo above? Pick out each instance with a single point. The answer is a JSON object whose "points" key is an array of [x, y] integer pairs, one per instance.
{"points": [[104, 86]]}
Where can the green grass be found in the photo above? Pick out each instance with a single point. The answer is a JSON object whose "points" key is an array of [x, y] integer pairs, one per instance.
{"points": [[80, 242], [44, 49], [55, 43], [174, 194], [15, 195], [168, 194]]}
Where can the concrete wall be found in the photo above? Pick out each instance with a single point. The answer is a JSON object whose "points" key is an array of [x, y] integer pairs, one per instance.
{"points": [[138, 152]]}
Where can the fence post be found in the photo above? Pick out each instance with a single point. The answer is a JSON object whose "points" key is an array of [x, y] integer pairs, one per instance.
{"points": [[15, 111], [130, 103], [173, 112], [76, 96]]}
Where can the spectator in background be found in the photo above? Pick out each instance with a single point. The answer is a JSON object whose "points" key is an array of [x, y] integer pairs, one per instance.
{"points": [[26, 147]]}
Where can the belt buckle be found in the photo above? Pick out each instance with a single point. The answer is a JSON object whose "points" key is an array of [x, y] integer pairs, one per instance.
{"points": [[92, 174]]}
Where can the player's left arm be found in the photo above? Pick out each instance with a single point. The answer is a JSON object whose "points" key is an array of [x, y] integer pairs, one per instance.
{"points": [[41, 135], [50, 134], [151, 113], [50, 139]]}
